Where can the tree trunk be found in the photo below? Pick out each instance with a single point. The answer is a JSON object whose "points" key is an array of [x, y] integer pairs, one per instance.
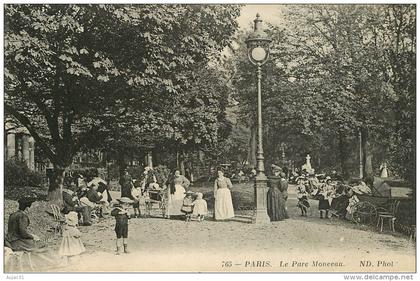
{"points": [[121, 163], [252, 147], [367, 155], [182, 163], [56, 181], [343, 148]]}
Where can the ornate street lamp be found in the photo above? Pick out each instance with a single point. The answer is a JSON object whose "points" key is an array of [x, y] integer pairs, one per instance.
{"points": [[258, 53]]}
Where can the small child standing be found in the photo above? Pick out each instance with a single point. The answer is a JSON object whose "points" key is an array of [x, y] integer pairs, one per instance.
{"points": [[136, 193], [71, 245], [187, 205], [200, 207], [302, 196], [121, 214]]}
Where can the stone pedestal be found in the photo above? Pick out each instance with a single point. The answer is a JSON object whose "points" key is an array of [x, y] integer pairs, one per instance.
{"points": [[149, 160], [260, 191]]}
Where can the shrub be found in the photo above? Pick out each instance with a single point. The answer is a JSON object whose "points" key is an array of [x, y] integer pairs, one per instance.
{"points": [[20, 181], [17, 173], [136, 172], [17, 192], [162, 174]]}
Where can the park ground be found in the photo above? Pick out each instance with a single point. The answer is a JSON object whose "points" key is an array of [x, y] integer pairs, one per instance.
{"points": [[297, 244]]}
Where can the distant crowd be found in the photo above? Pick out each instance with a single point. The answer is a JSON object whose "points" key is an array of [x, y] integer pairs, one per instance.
{"points": [[335, 197]]}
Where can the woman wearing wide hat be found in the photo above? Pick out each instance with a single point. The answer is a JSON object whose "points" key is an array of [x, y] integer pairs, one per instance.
{"points": [[276, 202]]}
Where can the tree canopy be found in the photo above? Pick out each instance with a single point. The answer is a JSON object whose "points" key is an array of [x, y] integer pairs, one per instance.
{"points": [[74, 72], [334, 71]]}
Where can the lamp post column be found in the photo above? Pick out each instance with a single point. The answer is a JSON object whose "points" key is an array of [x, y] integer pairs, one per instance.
{"points": [[258, 53], [360, 155], [261, 215]]}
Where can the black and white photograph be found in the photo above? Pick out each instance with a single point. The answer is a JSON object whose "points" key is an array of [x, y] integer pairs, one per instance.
{"points": [[209, 138]]}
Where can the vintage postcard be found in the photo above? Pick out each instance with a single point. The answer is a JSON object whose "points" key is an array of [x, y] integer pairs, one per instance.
{"points": [[209, 138]]}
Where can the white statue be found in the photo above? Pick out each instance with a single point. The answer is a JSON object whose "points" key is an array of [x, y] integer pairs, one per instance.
{"points": [[307, 166], [384, 170]]}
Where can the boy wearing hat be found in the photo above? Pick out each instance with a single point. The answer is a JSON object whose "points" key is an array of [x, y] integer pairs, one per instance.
{"points": [[121, 214]]}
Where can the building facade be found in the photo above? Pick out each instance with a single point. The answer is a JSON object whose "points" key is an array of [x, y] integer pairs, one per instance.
{"points": [[19, 144]]}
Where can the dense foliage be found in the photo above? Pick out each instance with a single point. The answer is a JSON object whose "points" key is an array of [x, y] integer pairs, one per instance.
{"points": [[21, 182], [17, 173], [75, 74], [335, 71]]}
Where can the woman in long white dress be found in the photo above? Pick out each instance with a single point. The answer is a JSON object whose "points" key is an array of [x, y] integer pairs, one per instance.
{"points": [[176, 194], [223, 207]]}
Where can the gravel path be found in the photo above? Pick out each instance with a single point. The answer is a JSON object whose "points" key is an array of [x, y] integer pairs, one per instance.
{"points": [[297, 244]]}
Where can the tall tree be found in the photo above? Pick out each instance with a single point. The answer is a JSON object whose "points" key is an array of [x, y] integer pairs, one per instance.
{"points": [[332, 73], [71, 71]]}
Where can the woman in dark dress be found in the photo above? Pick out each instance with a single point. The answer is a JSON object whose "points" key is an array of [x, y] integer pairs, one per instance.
{"points": [[324, 196], [276, 203], [126, 183], [18, 238]]}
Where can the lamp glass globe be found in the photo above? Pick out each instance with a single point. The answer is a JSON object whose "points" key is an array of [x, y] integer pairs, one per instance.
{"points": [[258, 54]]}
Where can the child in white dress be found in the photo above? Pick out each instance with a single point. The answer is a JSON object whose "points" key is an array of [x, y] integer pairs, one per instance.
{"points": [[200, 207], [71, 245]]}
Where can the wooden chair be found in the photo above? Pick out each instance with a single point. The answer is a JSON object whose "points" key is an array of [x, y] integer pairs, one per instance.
{"points": [[58, 219], [388, 215], [413, 233], [19, 261]]}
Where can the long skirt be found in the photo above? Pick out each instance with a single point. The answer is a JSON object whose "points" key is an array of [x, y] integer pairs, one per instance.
{"points": [[23, 256], [223, 207], [71, 246], [340, 204], [276, 205], [324, 204], [175, 201]]}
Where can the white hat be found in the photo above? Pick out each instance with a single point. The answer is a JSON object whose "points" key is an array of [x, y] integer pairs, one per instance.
{"points": [[72, 218]]}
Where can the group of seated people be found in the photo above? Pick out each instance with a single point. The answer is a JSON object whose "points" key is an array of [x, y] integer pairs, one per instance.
{"points": [[90, 199], [336, 197]]}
